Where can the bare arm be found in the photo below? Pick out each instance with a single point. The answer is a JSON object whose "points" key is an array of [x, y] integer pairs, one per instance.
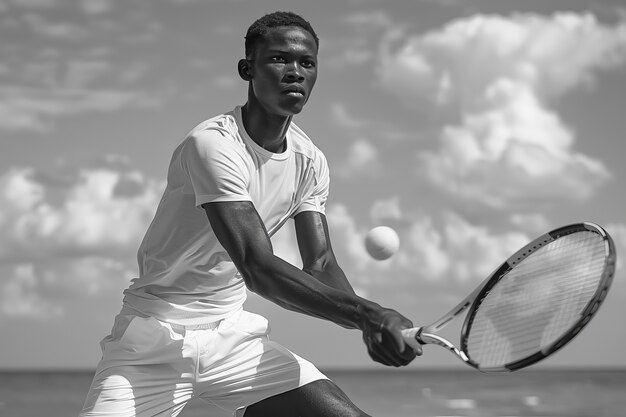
{"points": [[318, 258], [240, 230], [320, 262]]}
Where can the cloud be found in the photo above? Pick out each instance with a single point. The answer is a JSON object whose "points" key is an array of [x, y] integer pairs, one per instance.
{"points": [[45, 291], [535, 222], [385, 210], [369, 20], [618, 233], [54, 30], [502, 74], [513, 153], [456, 251], [69, 236], [37, 4], [340, 115], [97, 213], [460, 61], [61, 60], [225, 82], [354, 49], [20, 297], [96, 7], [362, 161], [23, 108]]}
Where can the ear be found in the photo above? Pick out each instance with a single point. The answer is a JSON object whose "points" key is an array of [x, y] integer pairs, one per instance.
{"points": [[244, 67]]}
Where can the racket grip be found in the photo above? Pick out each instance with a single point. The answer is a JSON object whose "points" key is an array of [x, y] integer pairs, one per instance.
{"points": [[411, 338]]}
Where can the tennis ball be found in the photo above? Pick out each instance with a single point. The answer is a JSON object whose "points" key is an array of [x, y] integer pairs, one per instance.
{"points": [[382, 242]]}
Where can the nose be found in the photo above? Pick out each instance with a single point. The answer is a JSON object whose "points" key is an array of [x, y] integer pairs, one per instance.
{"points": [[294, 72]]}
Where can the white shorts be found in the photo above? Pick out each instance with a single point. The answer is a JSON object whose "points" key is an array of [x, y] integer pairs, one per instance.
{"points": [[152, 368]]}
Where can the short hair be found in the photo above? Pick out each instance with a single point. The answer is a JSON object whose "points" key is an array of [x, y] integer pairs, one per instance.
{"points": [[260, 28]]}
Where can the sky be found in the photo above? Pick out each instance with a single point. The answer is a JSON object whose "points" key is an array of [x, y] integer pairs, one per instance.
{"points": [[469, 126]]}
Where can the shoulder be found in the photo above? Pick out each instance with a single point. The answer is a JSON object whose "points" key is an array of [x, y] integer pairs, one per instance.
{"points": [[223, 125], [212, 144], [218, 133], [304, 146], [310, 156]]}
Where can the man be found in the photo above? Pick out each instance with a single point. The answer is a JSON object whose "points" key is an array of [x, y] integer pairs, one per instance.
{"points": [[182, 332]]}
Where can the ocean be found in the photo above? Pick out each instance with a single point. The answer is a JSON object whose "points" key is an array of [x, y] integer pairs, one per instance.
{"points": [[384, 393]]}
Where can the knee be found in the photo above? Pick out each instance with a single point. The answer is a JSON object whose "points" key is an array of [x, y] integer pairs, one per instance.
{"points": [[319, 398]]}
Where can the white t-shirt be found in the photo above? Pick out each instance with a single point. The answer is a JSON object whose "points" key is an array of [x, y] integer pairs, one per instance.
{"points": [[185, 276]]}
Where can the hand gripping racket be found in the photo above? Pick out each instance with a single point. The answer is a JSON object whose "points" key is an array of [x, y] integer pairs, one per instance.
{"points": [[533, 304]]}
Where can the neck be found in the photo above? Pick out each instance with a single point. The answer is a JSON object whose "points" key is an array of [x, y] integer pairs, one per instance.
{"points": [[266, 130]]}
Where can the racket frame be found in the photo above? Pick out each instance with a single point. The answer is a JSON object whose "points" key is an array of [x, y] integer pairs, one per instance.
{"points": [[427, 334]]}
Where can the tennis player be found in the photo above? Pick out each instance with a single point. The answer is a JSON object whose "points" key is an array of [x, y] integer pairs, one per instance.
{"points": [[234, 181]]}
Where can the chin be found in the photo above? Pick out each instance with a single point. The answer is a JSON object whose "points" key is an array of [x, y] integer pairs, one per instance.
{"points": [[293, 109]]}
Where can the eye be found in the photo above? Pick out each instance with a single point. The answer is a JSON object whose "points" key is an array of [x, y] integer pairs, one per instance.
{"points": [[277, 58], [308, 63]]}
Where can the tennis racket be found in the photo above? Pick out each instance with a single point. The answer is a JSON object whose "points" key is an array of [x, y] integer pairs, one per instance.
{"points": [[533, 304]]}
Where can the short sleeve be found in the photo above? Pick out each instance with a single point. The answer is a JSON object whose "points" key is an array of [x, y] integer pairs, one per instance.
{"points": [[216, 167], [316, 199]]}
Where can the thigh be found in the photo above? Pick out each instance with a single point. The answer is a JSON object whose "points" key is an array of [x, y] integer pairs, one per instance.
{"points": [[321, 398], [143, 371], [239, 365], [135, 391]]}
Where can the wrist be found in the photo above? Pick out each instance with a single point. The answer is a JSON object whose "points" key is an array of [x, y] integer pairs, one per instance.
{"points": [[364, 312]]}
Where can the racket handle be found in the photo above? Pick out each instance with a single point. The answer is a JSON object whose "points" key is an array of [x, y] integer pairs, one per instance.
{"points": [[411, 338]]}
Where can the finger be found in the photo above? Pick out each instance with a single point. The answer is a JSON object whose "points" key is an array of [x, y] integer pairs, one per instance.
{"points": [[397, 339], [407, 356], [380, 354], [409, 338], [415, 346], [407, 360], [389, 351], [407, 352], [377, 358], [376, 354], [400, 340]]}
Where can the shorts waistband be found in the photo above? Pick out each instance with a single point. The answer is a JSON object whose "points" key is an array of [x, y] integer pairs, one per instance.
{"points": [[203, 326], [127, 309]]}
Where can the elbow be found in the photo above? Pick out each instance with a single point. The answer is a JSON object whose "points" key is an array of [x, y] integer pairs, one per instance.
{"points": [[256, 272], [253, 283], [321, 265]]}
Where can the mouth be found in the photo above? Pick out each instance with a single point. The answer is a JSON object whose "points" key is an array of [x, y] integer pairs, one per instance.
{"points": [[294, 91]]}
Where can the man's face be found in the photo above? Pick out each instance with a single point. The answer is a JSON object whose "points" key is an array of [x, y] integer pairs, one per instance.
{"points": [[284, 70]]}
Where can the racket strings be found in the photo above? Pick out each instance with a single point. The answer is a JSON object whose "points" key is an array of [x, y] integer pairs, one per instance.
{"points": [[532, 325], [537, 301]]}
